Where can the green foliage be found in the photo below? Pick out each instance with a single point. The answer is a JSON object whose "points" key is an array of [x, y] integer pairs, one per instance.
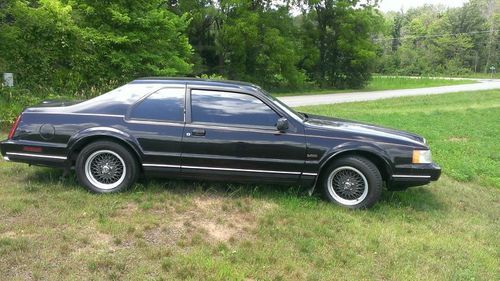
{"points": [[379, 83], [262, 42], [212, 77], [14, 100], [82, 48], [432, 41], [340, 31], [245, 40], [259, 46], [74, 46]]}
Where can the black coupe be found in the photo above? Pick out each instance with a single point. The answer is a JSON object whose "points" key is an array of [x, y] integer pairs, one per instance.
{"points": [[220, 130]]}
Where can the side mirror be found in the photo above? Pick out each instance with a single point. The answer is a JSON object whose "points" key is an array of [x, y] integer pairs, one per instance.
{"points": [[282, 124]]}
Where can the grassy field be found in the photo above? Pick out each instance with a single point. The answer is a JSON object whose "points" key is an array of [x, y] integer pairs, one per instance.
{"points": [[482, 75], [50, 228], [379, 83]]}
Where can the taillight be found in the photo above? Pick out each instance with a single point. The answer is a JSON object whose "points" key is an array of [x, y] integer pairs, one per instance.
{"points": [[14, 127]]}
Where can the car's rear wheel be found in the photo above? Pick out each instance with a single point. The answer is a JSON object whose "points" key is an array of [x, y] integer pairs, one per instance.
{"points": [[352, 182], [106, 167]]}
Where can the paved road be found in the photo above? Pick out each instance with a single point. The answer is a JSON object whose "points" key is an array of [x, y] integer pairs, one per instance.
{"points": [[483, 84]]}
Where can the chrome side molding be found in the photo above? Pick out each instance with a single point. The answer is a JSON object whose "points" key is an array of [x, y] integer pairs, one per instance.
{"points": [[240, 170], [411, 176], [36, 155], [226, 169], [161, 165]]}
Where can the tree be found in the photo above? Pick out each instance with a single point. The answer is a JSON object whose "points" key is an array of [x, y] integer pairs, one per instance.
{"points": [[245, 40], [342, 33], [434, 40], [77, 45]]}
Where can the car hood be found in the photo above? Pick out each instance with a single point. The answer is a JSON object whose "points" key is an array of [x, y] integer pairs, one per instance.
{"points": [[363, 130]]}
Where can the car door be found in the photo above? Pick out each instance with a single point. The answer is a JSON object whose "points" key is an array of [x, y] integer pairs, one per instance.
{"points": [[234, 134], [157, 122]]}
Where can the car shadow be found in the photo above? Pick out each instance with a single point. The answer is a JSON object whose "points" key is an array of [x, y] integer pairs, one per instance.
{"points": [[415, 198]]}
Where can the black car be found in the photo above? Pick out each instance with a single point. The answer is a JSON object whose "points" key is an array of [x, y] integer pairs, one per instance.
{"points": [[220, 130]]}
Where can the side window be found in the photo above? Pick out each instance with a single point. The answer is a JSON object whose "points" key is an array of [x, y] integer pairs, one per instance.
{"points": [[230, 108], [163, 105]]}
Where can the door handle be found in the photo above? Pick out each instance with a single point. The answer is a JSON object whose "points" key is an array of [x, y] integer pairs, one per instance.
{"points": [[198, 132]]}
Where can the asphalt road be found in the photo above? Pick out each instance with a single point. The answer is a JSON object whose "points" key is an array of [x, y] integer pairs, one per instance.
{"points": [[482, 84]]}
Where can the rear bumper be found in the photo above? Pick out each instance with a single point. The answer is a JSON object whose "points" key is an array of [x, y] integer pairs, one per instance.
{"points": [[49, 155], [414, 175]]}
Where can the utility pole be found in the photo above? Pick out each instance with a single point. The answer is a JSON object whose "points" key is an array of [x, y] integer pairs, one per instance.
{"points": [[491, 44]]}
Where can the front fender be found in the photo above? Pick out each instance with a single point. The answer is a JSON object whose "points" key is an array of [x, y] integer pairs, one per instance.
{"points": [[81, 138], [352, 147], [357, 147]]}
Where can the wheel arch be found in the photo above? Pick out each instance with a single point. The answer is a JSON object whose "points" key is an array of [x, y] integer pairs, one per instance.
{"points": [[83, 138], [380, 161], [375, 154]]}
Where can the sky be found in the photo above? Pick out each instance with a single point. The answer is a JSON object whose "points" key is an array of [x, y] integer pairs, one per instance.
{"points": [[396, 5]]}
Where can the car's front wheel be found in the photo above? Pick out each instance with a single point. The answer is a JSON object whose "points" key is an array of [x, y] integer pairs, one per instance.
{"points": [[352, 182], [106, 167]]}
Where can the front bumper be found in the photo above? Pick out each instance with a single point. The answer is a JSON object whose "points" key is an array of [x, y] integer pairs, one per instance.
{"points": [[408, 175]]}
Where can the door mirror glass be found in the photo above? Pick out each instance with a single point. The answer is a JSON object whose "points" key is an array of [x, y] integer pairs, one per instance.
{"points": [[282, 124]]}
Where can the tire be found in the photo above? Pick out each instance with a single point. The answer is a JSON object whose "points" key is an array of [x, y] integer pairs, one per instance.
{"points": [[352, 182], [106, 167]]}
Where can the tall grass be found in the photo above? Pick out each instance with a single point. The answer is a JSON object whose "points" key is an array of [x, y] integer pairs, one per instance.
{"points": [[379, 83]]}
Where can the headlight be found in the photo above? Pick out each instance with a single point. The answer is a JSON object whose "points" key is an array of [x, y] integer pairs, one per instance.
{"points": [[421, 157]]}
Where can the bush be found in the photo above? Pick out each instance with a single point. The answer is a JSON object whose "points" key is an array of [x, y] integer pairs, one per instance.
{"points": [[79, 46]]}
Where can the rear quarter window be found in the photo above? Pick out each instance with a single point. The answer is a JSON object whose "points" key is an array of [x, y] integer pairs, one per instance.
{"points": [[164, 105]]}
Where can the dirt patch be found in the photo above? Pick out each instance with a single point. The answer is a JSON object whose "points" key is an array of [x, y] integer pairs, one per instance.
{"points": [[103, 239], [9, 234], [128, 209], [225, 220], [212, 219], [91, 240], [458, 139], [15, 235]]}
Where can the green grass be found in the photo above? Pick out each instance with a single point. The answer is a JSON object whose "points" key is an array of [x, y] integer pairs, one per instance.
{"points": [[51, 228], [481, 75], [379, 83]]}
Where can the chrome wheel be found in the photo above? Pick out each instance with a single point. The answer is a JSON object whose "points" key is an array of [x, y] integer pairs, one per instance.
{"points": [[347, 185], [105, 169]]}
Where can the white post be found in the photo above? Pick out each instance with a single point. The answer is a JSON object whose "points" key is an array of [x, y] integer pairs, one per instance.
{"points": [[8, 79]]}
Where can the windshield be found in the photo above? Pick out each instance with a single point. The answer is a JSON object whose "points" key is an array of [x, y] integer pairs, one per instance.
{"points": [[286, 108]]}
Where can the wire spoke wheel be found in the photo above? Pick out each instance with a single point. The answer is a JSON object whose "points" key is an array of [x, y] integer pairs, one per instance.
{"points": [[105, 169], [347, 185]]}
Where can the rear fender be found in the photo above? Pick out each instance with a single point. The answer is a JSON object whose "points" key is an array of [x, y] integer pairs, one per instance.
{"points": [[80, 139]]}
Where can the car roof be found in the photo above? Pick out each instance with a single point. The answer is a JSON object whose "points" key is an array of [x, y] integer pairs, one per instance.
{"points": [[118, 100], [196, 82]]}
